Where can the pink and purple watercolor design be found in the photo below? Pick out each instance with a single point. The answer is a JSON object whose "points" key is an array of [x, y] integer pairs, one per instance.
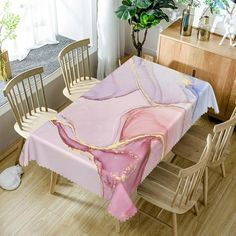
{"points": [[116, 124]]}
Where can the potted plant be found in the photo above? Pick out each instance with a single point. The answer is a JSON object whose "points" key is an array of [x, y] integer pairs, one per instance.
{"points": [[8, 25], [142, 15]]}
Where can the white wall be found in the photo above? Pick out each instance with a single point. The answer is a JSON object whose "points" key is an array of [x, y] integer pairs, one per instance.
{"points": [[55, 99]]}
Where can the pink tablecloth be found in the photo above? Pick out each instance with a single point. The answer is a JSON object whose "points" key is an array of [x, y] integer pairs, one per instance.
{"points": [[112, 137]]}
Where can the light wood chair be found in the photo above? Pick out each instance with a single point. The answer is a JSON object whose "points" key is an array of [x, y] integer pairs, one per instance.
{"points": [[26, 96], [174, 189], [193, 142], [75, 65]]}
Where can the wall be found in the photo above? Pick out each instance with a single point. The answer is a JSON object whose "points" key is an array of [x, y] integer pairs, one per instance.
{"points": [[55, 99]]}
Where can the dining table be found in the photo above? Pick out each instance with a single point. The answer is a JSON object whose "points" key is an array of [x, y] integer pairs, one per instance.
{"points": [[114, 135]]}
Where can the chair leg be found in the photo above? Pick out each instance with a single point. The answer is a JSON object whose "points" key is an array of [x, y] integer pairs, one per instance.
{"points": [[223, 169], [173, 158], [53, 181], [174, 222], [19, 149], [118, 226], [196, 208], [205, 186]]}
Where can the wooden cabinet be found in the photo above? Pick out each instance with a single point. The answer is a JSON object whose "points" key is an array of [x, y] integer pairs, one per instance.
{"points": [[209, 61]]}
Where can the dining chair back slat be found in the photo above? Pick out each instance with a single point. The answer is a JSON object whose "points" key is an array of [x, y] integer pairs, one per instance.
{"points": [[14, 109], [89, 70], [83, 60], [19, 112], [21, 101], [69, 58], [31, 95], [74, 66], [221, 139], [190, 178], [77, 64], [37, 93], [20, 94], [43, 93], [71, 79], [26, 98]]}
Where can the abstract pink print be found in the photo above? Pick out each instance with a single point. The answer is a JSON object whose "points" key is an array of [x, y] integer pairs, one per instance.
{"points": [[118, 121]]}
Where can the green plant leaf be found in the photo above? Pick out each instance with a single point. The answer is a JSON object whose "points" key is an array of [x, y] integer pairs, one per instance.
{"points": [[127, 2], [142, 15], [164, 4], [125, 12], [161, 15], [148, 20], [143, 4]]}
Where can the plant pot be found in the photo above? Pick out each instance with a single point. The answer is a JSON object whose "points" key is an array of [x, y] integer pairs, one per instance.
{"points": [[5, 69]]}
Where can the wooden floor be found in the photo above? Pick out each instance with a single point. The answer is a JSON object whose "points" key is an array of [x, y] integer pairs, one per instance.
{"points": [[31, 210]]}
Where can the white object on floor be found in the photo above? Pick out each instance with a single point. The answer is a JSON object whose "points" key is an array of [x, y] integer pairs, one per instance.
{"points": [[10, 178]]}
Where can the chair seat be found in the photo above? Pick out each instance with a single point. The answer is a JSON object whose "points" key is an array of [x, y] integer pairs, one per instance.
{"points": [[33, 122], [160, 186], [192, 144], [78, 89]]}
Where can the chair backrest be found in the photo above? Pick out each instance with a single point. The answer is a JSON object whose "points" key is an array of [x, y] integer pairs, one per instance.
{"points": [[222, 135], [26, 95], [75, 63], [191, 177]]}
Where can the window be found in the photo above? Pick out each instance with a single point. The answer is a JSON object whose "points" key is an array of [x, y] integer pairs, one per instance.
{"points": [[42, 20]]}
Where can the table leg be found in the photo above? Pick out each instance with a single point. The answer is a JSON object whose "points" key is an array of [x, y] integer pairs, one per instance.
{"points": [[53, 181], [118, 226], [19, 149]]}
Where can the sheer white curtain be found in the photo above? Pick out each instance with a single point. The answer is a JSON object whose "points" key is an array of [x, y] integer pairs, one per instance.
{"points": [[111, 37], [76, 19], [37, 27]]}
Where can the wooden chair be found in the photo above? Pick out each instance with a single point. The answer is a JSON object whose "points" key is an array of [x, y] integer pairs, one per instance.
{"points": [[193, 142], [174, 189], [27, 99], [75, 65]]}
